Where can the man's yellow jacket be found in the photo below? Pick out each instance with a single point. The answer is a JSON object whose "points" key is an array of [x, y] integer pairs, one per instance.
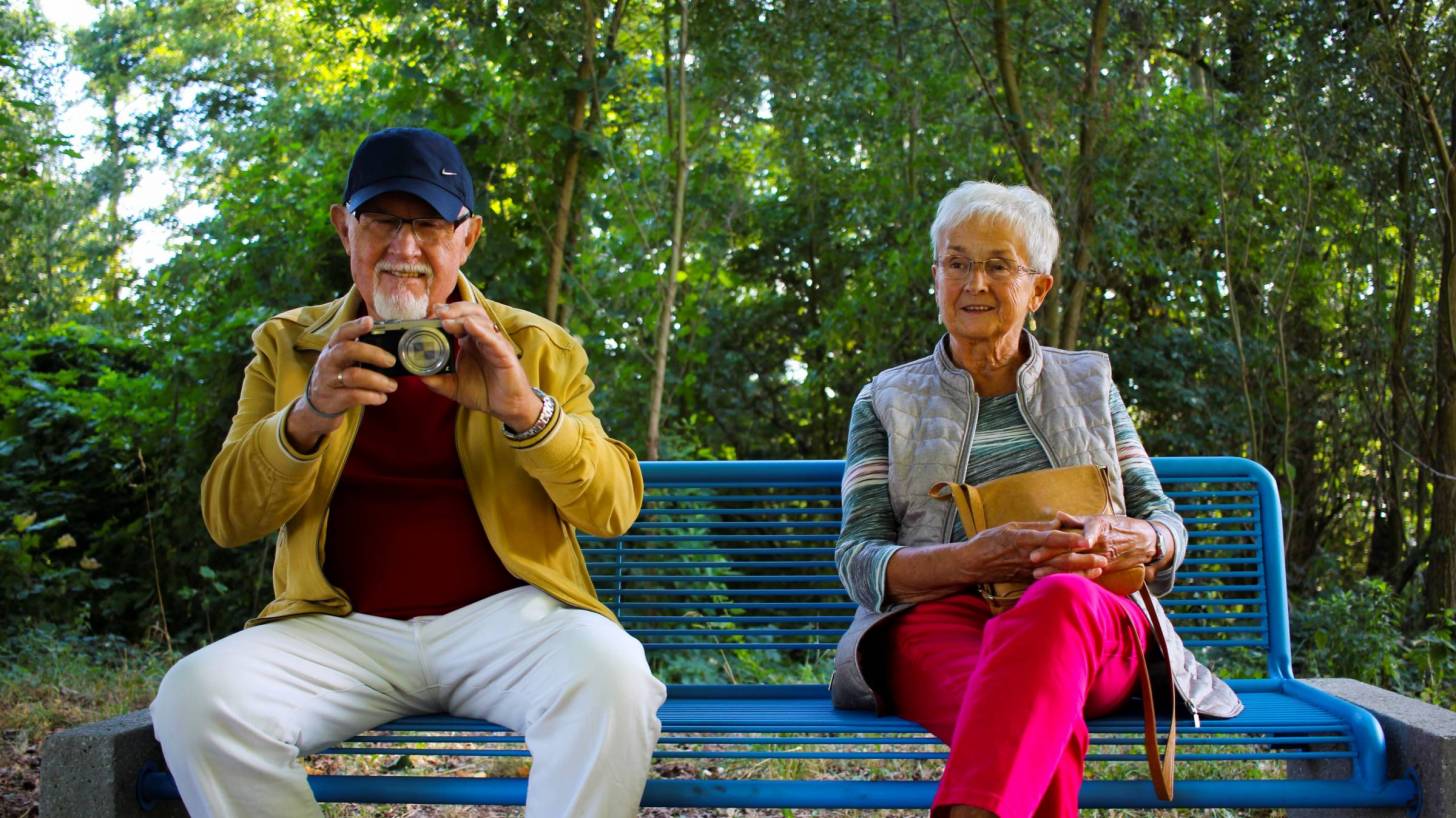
{"points": [[531, 495]]}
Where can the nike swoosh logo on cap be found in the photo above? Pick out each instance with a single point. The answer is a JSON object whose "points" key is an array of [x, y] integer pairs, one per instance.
{"points": [[444, 172]]}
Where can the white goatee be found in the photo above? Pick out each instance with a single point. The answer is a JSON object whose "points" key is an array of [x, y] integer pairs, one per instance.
{"points": [[401, 303]]}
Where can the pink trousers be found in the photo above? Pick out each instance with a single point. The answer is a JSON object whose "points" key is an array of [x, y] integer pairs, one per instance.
{"points": [[1011, 694]]}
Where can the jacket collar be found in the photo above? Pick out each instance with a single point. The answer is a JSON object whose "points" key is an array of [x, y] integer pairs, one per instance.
{"points": [[347, 307]]}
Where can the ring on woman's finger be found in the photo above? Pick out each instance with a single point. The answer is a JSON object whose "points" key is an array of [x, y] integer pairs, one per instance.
{"points": [[1111, 552], [339, 379]]}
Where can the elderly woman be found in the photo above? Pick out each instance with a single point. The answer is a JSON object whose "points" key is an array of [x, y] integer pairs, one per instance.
{"points": [[1010, 693]]}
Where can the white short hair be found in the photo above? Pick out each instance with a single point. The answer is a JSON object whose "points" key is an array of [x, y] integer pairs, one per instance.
{"points": [[1019, 208]]}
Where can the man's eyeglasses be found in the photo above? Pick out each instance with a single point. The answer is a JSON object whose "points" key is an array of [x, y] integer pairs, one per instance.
{"points": [[382, 227], [958, 270]]}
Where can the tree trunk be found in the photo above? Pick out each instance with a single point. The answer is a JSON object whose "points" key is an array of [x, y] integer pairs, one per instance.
{"points": [[1064, 334], [679, 124], [911, 108], [579, 99], [1309, 517], [1031, 163], [1011, 87], [1388, 534], [1441, 579], [115, 181], [1440, 590]]}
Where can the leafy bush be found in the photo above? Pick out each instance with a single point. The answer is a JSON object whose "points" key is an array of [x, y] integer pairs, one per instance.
{"points": [[105, 438], [1360, 632]]}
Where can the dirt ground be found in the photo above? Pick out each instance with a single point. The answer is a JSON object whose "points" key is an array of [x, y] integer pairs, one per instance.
{"points": [[19, 775]]}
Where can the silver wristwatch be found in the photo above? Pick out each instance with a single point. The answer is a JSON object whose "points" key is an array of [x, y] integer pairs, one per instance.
{"points": [[548, 409], [1158, 550]]}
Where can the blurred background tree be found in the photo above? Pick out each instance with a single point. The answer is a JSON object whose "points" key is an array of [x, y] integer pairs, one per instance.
{"points": [[729, 204]]}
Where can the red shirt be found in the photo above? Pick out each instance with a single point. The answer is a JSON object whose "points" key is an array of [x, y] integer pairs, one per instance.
{"points": [[404, 538]]}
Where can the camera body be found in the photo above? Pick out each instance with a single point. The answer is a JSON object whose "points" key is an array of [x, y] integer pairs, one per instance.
{"points": [[420, 347]]}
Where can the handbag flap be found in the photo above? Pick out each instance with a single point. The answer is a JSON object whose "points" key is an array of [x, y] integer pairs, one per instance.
{"points": [[1035, 496]]}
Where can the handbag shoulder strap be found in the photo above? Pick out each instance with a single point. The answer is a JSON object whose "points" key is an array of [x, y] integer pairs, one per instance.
{"points": [[1161, 767], [968, 503]]}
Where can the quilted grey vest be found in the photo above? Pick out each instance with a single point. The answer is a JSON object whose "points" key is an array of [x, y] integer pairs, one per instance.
{"points": [[928, 408]]}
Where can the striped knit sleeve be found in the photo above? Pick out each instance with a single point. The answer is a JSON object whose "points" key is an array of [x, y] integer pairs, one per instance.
{"points": [[868, 533], [1143, 493]]}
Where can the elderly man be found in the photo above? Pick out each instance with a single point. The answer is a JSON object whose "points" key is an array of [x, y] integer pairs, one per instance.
{"points": [[427, 559]]}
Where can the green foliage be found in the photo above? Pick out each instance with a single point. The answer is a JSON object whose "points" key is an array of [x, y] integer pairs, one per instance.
{"points": [[1360, 633], [98, 490], [1259, 189], [62, 470]]}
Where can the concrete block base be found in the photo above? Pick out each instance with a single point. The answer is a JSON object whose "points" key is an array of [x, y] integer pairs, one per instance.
{"points": [[1418, 736], [91, 771]]}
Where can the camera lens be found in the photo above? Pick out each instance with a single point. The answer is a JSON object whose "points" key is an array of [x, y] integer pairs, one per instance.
{"points": [[423, 350]]}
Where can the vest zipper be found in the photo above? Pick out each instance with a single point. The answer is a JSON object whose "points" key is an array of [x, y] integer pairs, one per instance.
{"points": [[1030, 424], [964, 461]]}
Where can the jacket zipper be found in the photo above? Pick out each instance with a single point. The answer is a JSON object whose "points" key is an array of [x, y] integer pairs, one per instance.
{"points": [[318, 545]]}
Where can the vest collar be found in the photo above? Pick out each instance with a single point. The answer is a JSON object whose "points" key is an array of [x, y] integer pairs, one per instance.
{"points": [[1025, 376]]}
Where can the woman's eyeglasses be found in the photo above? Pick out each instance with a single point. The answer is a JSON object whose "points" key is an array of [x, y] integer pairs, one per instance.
{"points": [[957, 269]]}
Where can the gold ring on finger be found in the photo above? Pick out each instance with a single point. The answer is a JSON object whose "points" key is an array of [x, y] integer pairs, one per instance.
{"points": [[339, 379]]}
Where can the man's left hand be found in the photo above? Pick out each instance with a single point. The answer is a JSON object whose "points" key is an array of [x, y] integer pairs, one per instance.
{"points": [[488, 377]]}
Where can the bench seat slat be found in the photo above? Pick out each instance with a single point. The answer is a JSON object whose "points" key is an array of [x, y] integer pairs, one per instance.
{"points": [[806, 709]]}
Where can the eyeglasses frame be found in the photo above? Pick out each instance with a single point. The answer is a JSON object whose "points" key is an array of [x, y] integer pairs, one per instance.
{"points": [[953, 277], [400, 222]]}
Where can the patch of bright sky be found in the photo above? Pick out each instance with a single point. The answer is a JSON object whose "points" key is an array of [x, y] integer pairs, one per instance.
{"points": [[80, 116]]}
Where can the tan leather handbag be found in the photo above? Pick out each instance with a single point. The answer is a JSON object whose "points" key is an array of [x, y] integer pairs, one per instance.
{"points": [[1037, 496]]}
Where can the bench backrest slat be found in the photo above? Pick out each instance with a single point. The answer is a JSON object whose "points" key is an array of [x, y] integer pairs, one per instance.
{"points": [[730, 556]]}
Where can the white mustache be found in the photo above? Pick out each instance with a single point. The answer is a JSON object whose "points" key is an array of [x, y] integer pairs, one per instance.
{"points": [[401, 267]]}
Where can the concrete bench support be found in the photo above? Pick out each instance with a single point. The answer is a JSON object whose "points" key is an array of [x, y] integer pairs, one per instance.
{"points": [[1418, 736], [92, 770]]}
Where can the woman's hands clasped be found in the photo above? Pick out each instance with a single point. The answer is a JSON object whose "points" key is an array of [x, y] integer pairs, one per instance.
{"points": [[1127, 541], [1014, 552], [1023, 551], [1088, 545]]}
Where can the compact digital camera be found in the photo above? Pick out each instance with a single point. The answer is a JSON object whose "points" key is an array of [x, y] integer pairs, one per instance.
{"points": [[421, 347]]}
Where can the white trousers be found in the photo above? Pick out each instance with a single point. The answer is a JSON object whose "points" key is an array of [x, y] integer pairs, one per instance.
{"points": [[234, 717]]}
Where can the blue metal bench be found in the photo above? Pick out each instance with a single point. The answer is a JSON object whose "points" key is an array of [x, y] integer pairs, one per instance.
{"points": [[732, 564]]}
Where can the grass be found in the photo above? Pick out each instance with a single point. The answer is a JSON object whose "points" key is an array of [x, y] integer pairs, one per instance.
{"points": [[51, 679]]}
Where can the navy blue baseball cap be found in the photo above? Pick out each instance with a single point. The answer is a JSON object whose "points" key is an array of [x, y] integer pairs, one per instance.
{"points": [[410, 160]]}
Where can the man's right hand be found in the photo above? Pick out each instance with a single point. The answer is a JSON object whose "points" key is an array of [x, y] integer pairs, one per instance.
{"points": [[338, 383]]}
